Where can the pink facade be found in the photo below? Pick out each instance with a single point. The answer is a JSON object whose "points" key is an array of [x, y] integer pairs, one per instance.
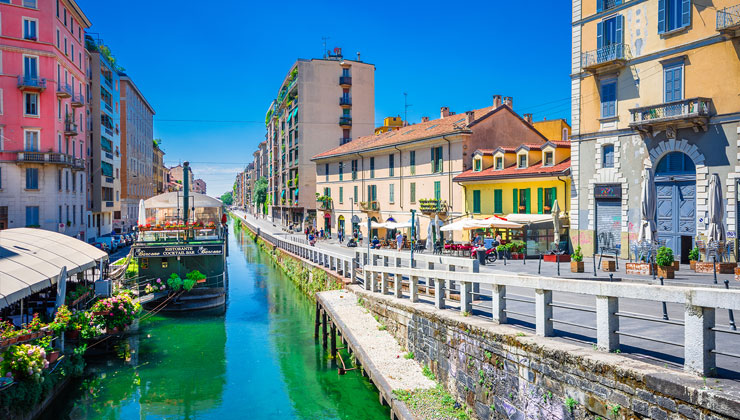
{"points": [[43, 115]]}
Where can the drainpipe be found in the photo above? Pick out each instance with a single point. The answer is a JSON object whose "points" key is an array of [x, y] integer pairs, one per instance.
{"points": [[449, 173], [400, 174], [565, 187]]}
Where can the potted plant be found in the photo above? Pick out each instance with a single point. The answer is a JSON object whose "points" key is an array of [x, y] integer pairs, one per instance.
{"points": [[664, 259], [693, 257], [576, 261]]}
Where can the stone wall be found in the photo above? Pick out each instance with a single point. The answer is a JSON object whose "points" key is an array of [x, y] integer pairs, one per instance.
{"points": [[502, 373]]}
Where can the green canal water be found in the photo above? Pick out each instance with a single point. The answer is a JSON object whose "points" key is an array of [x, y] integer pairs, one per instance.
{"points": [[257, 361]]}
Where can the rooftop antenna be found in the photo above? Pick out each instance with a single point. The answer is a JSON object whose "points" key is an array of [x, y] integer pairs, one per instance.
{"points": [[323, 40], [406, 107]]}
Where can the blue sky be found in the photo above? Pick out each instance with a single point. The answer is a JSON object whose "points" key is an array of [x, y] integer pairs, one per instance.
{"points": [[211, 69]]}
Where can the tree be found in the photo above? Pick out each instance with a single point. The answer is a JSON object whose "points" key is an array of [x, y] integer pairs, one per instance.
{"points": [[227, 198], [260, 192]]}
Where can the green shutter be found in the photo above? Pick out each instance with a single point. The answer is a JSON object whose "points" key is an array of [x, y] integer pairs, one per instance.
{"points": [[540, 199], [516, 200], [434, 161], [437, 190], [555, 197], [527, 200], [412, 192], [476, 201], [440, 160], [498, 201]]}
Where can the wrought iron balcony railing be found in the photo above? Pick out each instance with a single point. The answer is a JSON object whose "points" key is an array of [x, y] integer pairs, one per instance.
{"points": [[70, 128], [345, 80], [369, 206], [345, 120], [728, 19], [78, 100], [345, 100], [50, 157], [692, 112], [31, 83], [64, 90], [432, 205], [605, 58], [343, 140]]}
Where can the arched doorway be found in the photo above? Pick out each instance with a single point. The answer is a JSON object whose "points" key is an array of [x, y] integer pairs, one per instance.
{"points": [[675, 180]]}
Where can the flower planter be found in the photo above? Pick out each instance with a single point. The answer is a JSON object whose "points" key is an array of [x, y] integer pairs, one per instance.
{"points": [[72, 334], [665, 271], [643, 269], [676, 265], [609, 266], [722, 267], [25, 337], [13, 340], [576, 267], [737, 273], [52, 356], [554, 258], [692, 265], [112, 330]]}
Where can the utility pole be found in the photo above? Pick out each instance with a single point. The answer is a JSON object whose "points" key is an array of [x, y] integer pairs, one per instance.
{"points": [[406, 107], [413, 236]]}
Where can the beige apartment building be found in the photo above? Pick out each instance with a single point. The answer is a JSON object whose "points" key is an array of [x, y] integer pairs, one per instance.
{"points": [[160, 177], [176, 178], [386, 175], [321, 104], [138, 180]]}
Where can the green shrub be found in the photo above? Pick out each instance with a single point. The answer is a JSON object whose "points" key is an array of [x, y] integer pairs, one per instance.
{"points": [[694, 254], [577, 254], [664, 257], [175, 282]]}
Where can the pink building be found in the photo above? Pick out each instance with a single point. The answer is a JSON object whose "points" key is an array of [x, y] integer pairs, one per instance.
{"points": [[43, 80]]}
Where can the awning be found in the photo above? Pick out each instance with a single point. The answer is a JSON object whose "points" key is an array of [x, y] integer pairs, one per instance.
{"points": [[529, 218], [32, 259], [173, 200]]}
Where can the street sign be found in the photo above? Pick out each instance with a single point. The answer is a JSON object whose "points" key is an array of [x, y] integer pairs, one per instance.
{"points": [[177, 251]]}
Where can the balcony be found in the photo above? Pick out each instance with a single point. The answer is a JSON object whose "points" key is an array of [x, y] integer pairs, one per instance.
{"points": [[368, 206], [728, 20], [345, 101], [108, 204], [325, 203], [345, 121], [344, 140], [607, 5], [64, 90], [37, 84], [50, 157], [70, 128], [432, 206], [78, 101], [670, 116], [345, 81], [609, 58]]}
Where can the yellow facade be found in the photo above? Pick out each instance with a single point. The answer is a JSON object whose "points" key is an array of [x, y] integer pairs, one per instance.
{"points": [[390, 124], [509, 200], [554, 130]]}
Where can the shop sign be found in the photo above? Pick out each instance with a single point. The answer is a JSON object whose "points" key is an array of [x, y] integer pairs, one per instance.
{"points": [[608, 191], [177, 251]]}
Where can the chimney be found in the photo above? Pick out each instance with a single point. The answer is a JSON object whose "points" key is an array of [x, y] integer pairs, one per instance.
{"points": [[509, 101], [469, 117], [496, 101], [528, 118], [444, 112], [358, 56], [424, 119]]}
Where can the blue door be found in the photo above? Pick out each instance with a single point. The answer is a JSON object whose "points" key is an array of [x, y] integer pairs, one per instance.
{"points": [[676, 188]]}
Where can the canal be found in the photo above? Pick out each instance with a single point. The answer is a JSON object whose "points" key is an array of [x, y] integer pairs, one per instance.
{"points": [[258, 360]]}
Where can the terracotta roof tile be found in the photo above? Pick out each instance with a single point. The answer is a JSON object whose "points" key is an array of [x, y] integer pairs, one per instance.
{"points": [[432, 128], [512, 171]]}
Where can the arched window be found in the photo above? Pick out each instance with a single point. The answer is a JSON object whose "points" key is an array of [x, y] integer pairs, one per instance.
{"points": [[607, 156], [675, 163]]}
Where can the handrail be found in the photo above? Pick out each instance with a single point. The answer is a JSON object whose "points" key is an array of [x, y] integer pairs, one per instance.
{"points": [[728, 17]]}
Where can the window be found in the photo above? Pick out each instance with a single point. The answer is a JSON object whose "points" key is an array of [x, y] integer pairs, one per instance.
{"points": [[673, 83], [602, 5], [476, 201], [60, 214], [499, 163], [498, 202], [29, 29], [412, 192], [341, 195], [673, 15], [610, 39], [32, 216], [391, 193], [32, 178], [31, 104], [391, 164], [372, 167], [30, 3], [547, 197], [31, 141], [59, 179], [607, 156], [66, 180], [412, 162], [372, 193], [522, 161], [609, 98], [437, 159], [31, 67], [326, 172], [477, 165], [521, 200], [341, 171], [1, 178], [354, 197], [437, 190], [548, 159], [565, 134], [675, 163], [354, 172]]}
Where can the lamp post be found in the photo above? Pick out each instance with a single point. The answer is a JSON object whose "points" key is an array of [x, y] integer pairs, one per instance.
{"points": [[413, 236]]}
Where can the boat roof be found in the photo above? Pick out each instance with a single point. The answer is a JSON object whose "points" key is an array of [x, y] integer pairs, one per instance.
{"points": [[173, 200]]}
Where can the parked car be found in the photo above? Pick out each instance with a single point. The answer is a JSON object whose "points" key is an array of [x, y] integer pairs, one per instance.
{"points": [[121, 238], [109, 241], [101, 246]]}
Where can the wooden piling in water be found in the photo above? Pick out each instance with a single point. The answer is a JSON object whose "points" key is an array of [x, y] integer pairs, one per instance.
{"points": [[317, 322], [333, 341], [323, 327]]}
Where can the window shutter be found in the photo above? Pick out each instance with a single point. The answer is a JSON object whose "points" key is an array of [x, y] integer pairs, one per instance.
{"points": [[516, 201], [619, 37], [661, 16], [555, 197], [685, 13], [599, 35], [434, 161], [540, 198], [440, 164], [497, 201], [527, 200], [599, 5], [476, 201]]}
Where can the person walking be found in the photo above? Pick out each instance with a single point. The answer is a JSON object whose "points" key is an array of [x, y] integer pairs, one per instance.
{"points": [[399, 241]]}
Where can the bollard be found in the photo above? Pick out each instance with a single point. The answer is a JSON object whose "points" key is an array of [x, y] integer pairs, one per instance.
{"points": [[611, 277], [504, 258], [714, 268], [665, 308], [732, 316], [594, 258], [557, 258], [524, 259], [539, 267]]}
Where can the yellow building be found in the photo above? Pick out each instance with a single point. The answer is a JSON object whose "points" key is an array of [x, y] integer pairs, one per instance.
{"points": [[521, 185], [390, 124], [555, 130]]}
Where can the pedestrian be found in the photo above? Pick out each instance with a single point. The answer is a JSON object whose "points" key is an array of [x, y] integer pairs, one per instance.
{"points": [[340, 236], [399, 241], [359, 236], [376, 242], [306, 233]]}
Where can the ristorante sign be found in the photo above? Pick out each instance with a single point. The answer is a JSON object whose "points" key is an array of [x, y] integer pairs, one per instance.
{"points": [[177, 251]]}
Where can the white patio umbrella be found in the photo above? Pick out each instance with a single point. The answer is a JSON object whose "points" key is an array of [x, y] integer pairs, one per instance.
{"points": [[142, 213], [556, 222], [648, 229], [435, 230], [716, 211]]}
